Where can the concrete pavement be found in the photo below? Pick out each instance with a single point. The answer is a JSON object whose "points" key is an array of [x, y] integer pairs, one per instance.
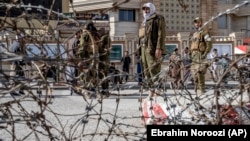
{"points": [[131, 85]]}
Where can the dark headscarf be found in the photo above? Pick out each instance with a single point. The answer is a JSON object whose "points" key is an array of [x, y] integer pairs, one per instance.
{"points": [[90, 26]]}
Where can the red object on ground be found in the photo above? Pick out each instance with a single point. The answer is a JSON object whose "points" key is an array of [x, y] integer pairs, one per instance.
{"points": [[153, 113], [229, 115]]}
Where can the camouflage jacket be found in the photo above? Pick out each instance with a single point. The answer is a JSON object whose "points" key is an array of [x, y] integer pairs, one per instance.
{"points": [[201, 41], [100, 42], [153, 34]]}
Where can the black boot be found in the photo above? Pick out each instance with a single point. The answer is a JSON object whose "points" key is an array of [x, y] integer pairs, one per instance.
{"points": [[14, 93], [21, 92]]}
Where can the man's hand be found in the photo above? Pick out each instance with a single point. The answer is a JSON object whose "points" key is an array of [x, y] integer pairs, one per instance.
{"points": [[158, 53], [204, 56]]}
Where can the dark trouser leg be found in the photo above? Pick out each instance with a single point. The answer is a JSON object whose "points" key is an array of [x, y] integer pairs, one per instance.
{"points": [[20, 73], [102, 74], [139, 72], [127, 73]]}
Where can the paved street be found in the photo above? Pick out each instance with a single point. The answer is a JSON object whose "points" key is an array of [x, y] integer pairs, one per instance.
{"points": [[132, 85], [64, 112], [88, 119]]}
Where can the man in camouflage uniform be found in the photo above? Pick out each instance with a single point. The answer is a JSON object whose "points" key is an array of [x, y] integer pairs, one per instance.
{"points": [[201, 45], [152, 42], [93, 42]]}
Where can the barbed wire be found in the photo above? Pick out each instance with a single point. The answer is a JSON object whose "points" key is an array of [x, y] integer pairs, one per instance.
{"points": [[36, 115]]}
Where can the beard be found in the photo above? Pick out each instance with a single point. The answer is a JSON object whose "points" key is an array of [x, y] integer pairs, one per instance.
{"points": [[146, 16]]}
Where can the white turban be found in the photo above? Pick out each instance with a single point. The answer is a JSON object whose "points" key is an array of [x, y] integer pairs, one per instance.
{"points": [[151, 6]]}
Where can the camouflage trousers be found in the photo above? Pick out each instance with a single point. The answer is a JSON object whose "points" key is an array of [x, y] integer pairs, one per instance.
{"points": [[198, 69], [151, 65]]}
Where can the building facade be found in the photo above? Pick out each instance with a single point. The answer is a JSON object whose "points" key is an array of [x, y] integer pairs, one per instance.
{"points": [[178, 14]]}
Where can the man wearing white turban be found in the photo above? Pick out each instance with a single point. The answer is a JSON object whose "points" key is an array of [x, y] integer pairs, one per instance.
{"points": [[152, 43]]}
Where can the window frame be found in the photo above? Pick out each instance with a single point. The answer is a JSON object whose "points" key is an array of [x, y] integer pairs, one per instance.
{"points": [[115, 59], [169, 52], [122, 18], [222, 22], [220, 48]]}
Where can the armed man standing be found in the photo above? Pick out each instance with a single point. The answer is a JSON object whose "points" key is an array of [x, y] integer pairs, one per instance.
{"points": [[94, 42], [201, 45], [152, 40]]}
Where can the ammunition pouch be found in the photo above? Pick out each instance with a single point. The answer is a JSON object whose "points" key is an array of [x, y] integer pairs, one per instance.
{"points": [[202, 47], [141, 32], [198, 46]]}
